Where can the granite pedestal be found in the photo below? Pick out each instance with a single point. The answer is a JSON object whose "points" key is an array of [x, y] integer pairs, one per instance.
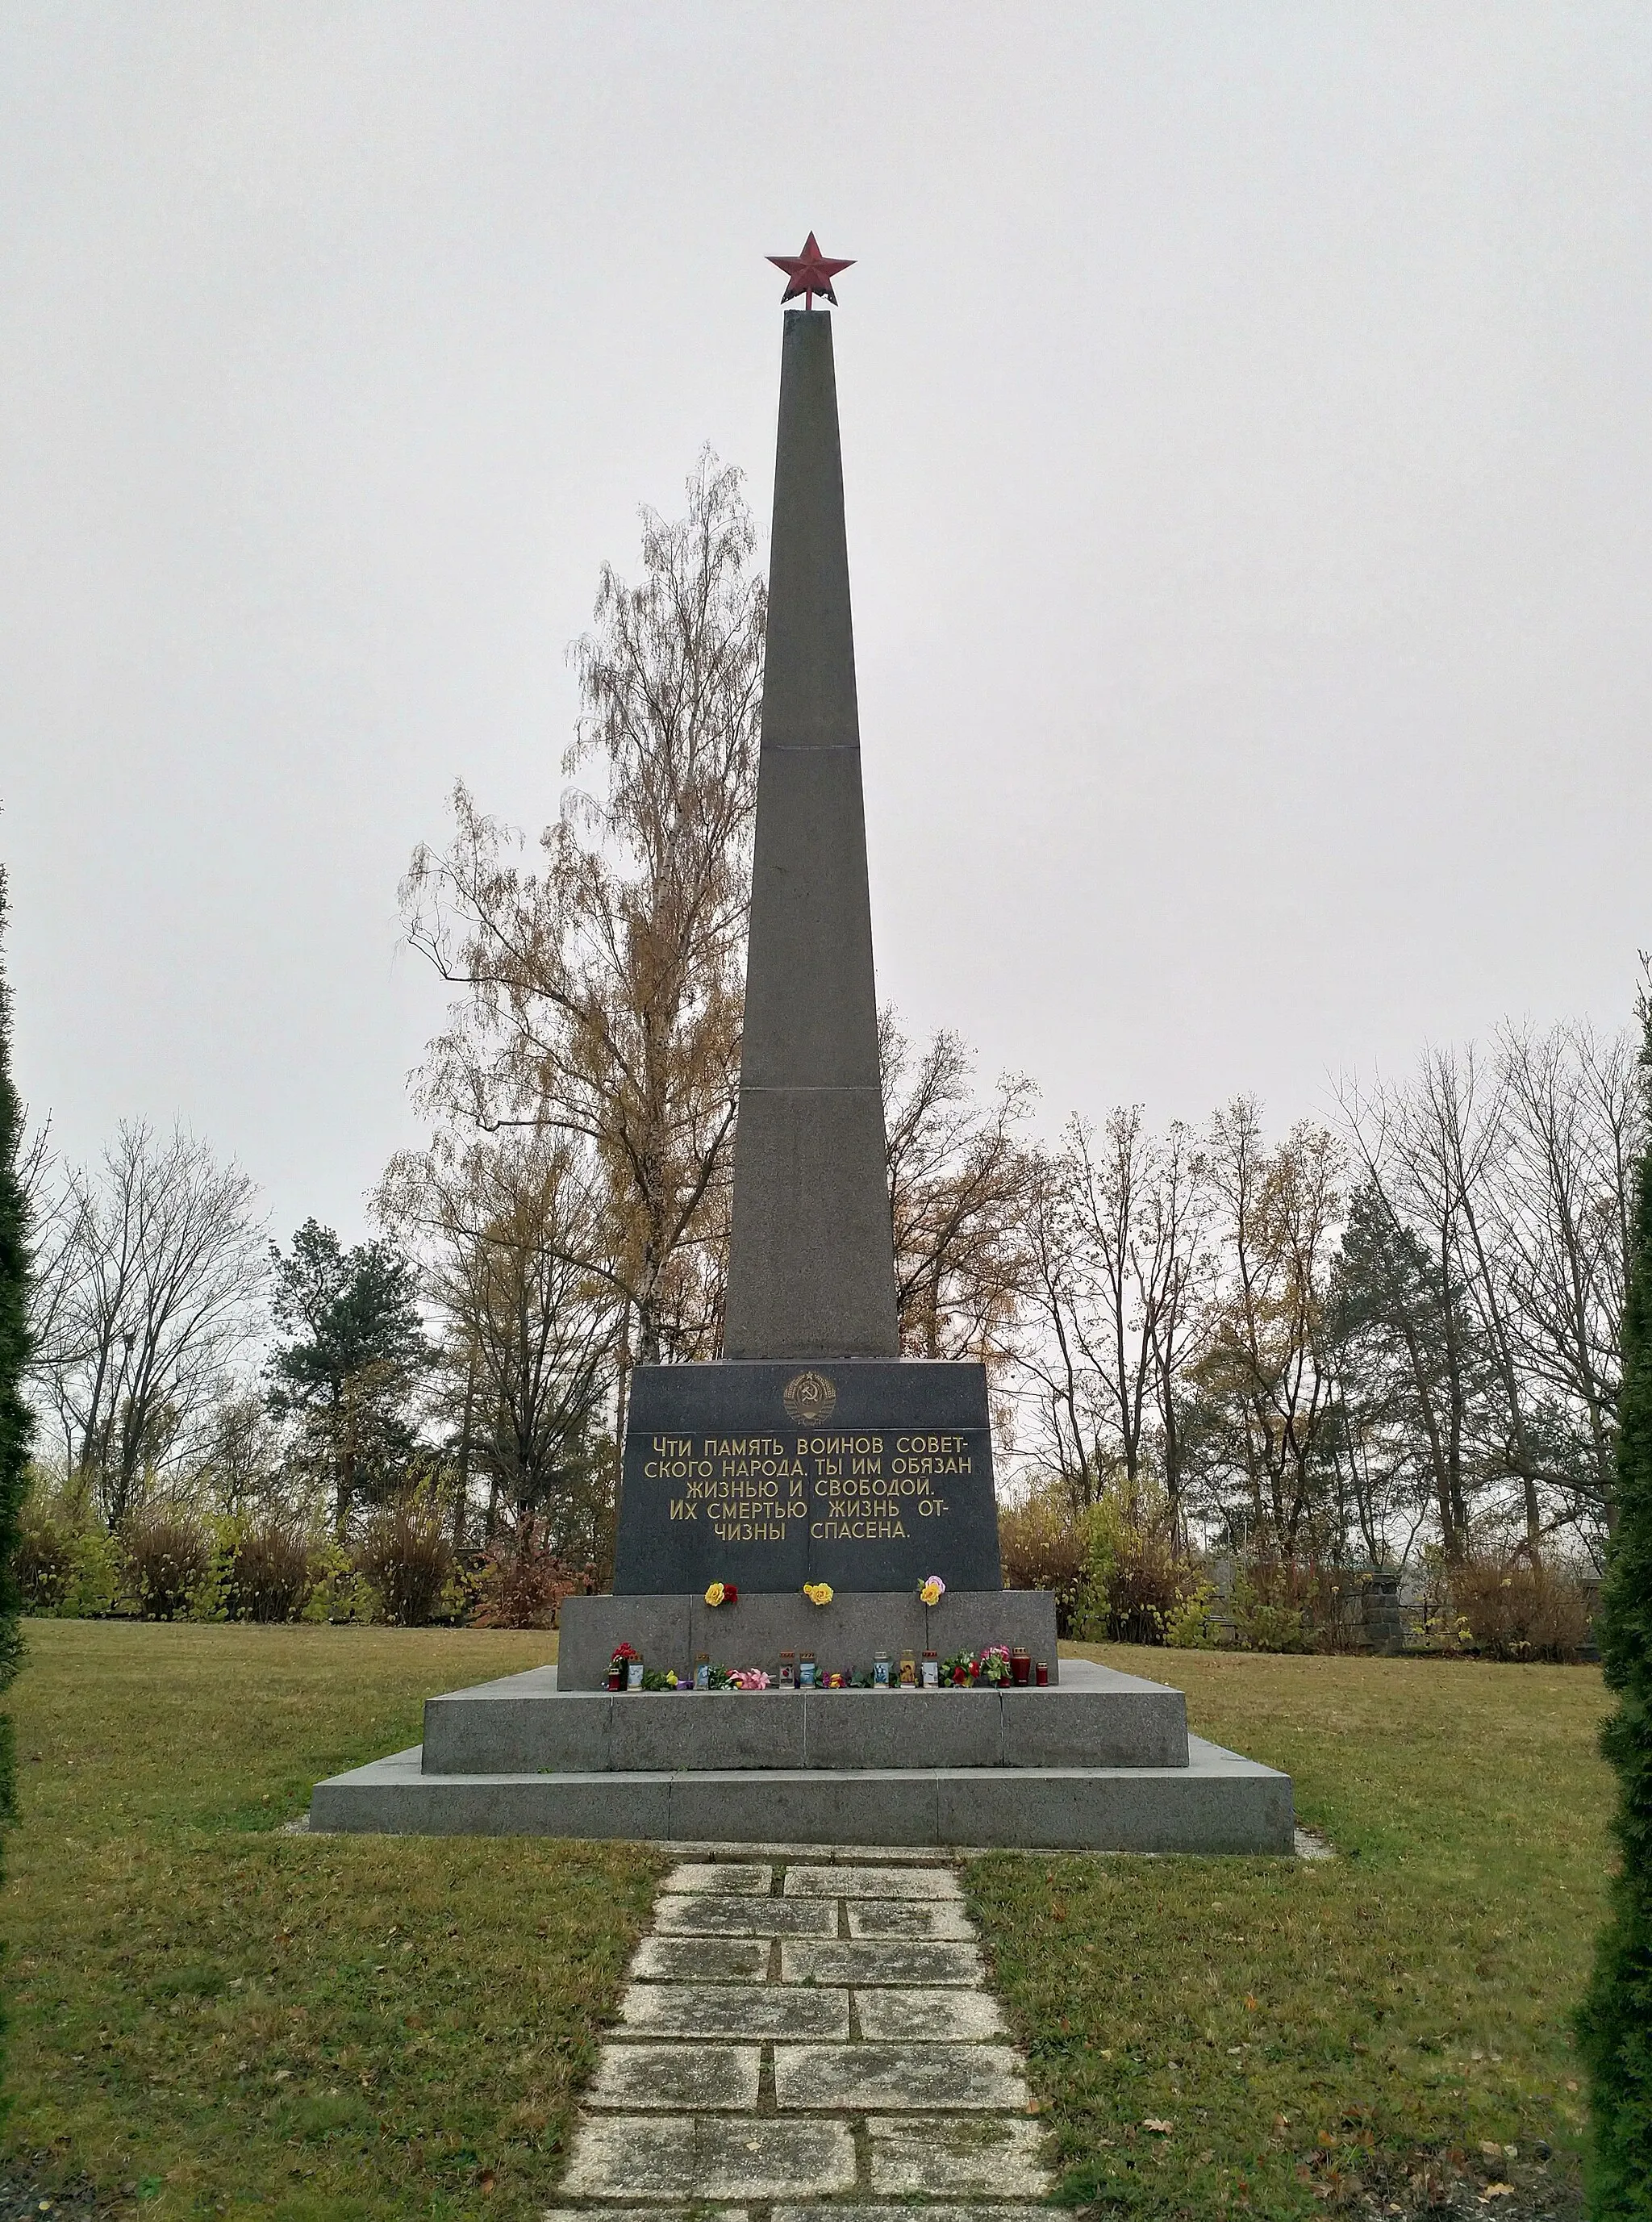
{"points": [[1103, 1763]]}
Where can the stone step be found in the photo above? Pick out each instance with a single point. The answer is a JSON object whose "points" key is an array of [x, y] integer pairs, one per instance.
{"points": [[1217, 1803], [526, 1724]]}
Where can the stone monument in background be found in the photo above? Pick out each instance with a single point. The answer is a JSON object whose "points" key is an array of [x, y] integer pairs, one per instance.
{"points": [[811, 1451]]}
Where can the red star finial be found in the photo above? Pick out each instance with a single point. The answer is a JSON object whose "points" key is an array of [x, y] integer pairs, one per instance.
{"points": [[810, 272]]}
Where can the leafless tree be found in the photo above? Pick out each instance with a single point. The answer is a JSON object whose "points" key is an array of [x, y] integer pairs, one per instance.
{"points": [[1263, 1370], [1571, 1134], [50, 1205], [528, 1333], [1423, 1152], [1118, 1266], [959, 1178], [162, 1274], [601, 994], [1512, 1174]]}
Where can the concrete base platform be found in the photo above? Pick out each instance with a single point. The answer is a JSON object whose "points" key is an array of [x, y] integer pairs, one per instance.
{"points": [[1217, 1803]]}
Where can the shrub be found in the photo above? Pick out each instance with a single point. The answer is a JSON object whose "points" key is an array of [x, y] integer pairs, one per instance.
{"points": [[268, 1575], [64, 1570], [410, 1562], [340, 1597], [167, 1560], [1137, 1584], [1262, 1623], [1191, 1624], [522, 1583], [1043, 1546], [1521, 1611]]}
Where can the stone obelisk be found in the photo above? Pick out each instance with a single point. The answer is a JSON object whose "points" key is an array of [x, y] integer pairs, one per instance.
{"points": [[811, 1272], [811, 1452]]}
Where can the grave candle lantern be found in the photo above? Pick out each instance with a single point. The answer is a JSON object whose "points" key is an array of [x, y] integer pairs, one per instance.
{"points": [[1021, 1664]]}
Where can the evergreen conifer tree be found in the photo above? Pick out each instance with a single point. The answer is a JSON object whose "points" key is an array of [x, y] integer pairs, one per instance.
{"points": [[17, 1424], [1615, 2023]]}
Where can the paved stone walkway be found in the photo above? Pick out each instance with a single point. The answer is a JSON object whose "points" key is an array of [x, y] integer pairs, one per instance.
{"points": [[794, 2032]]}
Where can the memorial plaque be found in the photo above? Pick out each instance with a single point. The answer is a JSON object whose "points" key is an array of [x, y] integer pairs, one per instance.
{"points": [[864, 1473]]}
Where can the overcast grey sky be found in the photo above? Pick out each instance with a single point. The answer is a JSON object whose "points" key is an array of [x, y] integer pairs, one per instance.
{"points": [[1249, 479]]}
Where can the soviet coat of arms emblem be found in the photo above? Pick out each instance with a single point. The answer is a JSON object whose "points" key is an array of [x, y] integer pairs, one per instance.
{"points": [[809, 1398]]}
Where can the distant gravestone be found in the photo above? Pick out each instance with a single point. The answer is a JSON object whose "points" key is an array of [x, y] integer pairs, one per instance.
{"points": [[866, 1475]]}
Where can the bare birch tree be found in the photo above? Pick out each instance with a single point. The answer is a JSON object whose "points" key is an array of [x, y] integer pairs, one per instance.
{"points": [[601, 994]]}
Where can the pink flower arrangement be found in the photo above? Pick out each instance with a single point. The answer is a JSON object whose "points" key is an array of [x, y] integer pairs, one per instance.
{"points": [[749, 1678]]}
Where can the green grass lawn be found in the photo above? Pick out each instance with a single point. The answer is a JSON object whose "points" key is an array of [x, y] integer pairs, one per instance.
{"points": [[1349, 2031], [212, 2017]]}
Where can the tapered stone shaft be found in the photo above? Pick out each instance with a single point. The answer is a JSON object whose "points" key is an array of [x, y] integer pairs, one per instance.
{"points": [[812, 1271]]}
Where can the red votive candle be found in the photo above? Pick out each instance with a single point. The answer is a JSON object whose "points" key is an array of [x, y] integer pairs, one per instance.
{"points": [[1020, 1666], [1042, 1672]]}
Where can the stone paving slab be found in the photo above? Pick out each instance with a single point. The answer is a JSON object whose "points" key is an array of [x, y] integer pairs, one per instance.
{"points": [[675, 2077], [724, 1878], [899, 2078], [701, 1960], [911, 1920], [904, 2212], [928, 2016], [703, 1916], [621, 2157], [991, 2157], [708, 2156], [871, 1882], [809, 1855], [560, 2213], [758, 2159], [907, 1964], [751, 2010]]}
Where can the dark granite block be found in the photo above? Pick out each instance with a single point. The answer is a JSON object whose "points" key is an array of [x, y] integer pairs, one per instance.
{"points": [[865, 1474]]}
